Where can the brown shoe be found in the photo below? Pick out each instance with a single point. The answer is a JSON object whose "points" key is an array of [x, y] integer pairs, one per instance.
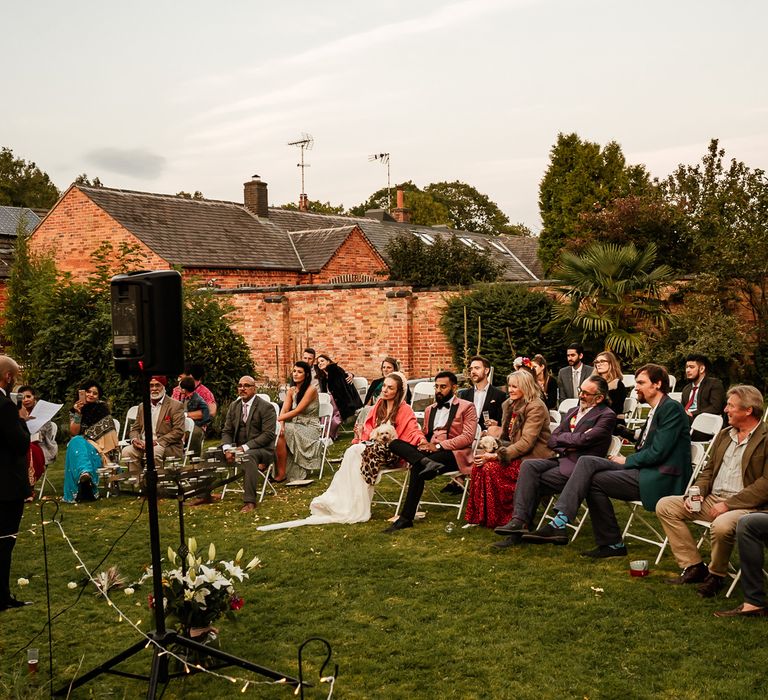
{"points": [[711, 587], [740, 612], [248, 507], [201, 501], [696, 573]]}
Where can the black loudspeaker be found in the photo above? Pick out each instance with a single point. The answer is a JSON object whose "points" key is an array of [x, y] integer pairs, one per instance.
{"points": [[147, 326]]}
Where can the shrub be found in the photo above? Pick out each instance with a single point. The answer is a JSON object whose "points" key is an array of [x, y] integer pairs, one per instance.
{"points": [[511, 322]]}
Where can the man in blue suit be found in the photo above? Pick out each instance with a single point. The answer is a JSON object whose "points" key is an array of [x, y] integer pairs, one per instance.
{"points": [[661, 466]]}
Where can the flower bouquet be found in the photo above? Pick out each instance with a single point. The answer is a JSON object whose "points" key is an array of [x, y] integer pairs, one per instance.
{"points": [[194, 599]]}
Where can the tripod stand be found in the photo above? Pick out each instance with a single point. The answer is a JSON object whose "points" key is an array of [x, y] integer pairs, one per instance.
{"points": [[161, 638]]}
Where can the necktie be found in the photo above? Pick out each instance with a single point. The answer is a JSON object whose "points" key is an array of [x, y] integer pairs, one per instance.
{"points": [[576, 382], [692, 397], [245, 413]]}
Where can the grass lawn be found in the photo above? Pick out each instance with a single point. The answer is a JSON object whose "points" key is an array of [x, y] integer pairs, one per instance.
{"points": [[420, 614]]}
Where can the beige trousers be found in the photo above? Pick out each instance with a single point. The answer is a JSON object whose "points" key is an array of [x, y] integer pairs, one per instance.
{"points": [[675, 518]]}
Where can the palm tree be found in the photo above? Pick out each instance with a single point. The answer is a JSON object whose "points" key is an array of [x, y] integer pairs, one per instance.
{"points": [[612, 293]]}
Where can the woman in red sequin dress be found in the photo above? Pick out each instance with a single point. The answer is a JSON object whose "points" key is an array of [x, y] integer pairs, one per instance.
{"points": [[523, 433]]}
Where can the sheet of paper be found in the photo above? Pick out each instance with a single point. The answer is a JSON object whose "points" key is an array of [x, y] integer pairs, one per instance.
{"points": [[43, 412]]}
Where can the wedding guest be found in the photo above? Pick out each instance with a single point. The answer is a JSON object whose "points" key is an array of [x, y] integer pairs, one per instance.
{"points": [[524, 433], [545, 381], [43, 448], [388, 365], [607, 366], [298, 446], [333, 381]]}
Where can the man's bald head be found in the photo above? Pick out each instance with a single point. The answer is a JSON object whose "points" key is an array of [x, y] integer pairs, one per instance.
{"points": [[246, 387], [9, 369]]}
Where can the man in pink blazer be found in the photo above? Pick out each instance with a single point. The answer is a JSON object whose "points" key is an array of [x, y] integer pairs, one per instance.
{"points": [[449, 431]]}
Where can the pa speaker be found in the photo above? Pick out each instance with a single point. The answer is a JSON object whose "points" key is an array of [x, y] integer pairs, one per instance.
{"points": [[147, 325]]}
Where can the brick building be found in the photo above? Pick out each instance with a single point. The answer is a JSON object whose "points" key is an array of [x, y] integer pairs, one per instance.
{"points": [[296, 277]]}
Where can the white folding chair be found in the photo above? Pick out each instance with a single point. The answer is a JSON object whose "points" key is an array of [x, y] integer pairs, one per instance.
{"points": [[130, 417], [567, 405], [676, 396], [628, 380], [324, 397], [117, 425], [554, 416], [361, 384], [708, 424], [454, 477], [398, 476], [613, 449], [265, 397], [638, 511], [44, 480], [189, 428], [326, 414], [422, 395], [672, 382]]}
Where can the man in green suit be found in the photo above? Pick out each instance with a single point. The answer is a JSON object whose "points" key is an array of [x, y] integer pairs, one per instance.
{"points": [[661, 466]]}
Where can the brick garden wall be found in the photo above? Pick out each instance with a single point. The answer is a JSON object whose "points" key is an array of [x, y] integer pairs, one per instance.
{"points": [[355, 325]]}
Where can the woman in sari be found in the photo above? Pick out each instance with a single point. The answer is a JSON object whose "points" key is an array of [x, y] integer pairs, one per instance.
{"points": [[523, 433], [348, 498], [93, 439]]}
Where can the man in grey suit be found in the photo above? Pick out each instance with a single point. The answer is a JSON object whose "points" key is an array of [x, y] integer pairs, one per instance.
{"points": [[249, 429], [569, 378]]}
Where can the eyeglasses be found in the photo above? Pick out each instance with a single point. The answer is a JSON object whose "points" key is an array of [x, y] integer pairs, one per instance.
{"points": [[242, 386], [587, 393], [601, 362]]}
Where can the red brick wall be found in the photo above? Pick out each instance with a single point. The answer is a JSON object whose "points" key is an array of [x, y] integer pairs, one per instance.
{"points": [[3, 302], [356, 256], [231, 279], [75, 228], [355, 326]]}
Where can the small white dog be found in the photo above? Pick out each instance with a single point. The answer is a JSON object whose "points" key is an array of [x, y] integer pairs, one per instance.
{"points": [[487, 443], [383, 434]]}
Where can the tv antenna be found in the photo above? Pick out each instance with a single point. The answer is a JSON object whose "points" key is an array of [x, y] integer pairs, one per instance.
{"points": [[384, 158], [305, 143]]}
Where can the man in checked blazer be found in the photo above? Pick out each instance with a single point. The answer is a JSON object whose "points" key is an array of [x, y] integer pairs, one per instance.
{"points": [[450, 425], [586, 429], [249, 429]]}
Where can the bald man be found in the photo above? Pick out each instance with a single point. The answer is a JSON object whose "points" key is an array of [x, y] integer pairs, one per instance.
{"points": [[14, 484], [249, 428]]}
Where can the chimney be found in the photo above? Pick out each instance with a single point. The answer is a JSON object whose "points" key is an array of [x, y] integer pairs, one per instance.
{"points": [[255, 196], [303, 202], [401, 214]]}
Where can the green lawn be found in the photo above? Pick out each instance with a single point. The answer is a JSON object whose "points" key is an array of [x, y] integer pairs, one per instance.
{"points": [[421, 614]]}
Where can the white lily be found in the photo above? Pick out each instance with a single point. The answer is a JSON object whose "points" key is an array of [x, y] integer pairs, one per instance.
{"points": [[171, 555], [214, 577], [192, 544], [234, 570], [211, 552], [239, 554], [253, 563]]}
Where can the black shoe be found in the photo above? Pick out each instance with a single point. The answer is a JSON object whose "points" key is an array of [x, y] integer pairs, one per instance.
{"points": [[696, 573], [547, 535], [605, 551], [12, 603], [513, 527], [509, 541], [430, 468], [452, 488], [85, 489], [399, 524], [712, 586]]}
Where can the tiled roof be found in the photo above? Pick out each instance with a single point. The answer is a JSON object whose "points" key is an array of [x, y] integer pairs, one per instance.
{"points": [[9, 219], [212, 233]]}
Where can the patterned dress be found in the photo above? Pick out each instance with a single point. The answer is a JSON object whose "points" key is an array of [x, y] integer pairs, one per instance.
{"points": [[302, 438]]}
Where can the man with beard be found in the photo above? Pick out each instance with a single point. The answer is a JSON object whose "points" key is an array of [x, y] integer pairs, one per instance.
{"points": [[449, 430], [569, 378], [585, 430], [661, 466], [14, 485], [486, 397], [703, 394], [167, 427]]}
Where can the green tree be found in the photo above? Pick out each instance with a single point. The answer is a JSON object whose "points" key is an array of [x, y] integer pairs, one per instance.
{"points": [[84, 180], [470, 210], [197, 194], [611, 296], [317, 207], [580, 177], [30, 284], [23, 184], [426, 210], [640, 220], [503, 320], [445, 262]]}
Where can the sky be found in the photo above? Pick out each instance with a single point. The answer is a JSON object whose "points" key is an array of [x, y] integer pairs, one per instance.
{"points": [[168, 96]]}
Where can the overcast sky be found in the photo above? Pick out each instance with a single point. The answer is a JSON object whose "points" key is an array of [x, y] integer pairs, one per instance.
{"points": [[161, 96]]}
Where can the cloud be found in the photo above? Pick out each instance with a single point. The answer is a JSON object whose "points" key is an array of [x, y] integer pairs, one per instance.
{"points": [[135, 162]]}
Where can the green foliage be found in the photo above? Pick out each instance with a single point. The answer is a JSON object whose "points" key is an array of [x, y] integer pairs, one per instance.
{"points": [[639, 220], [23, 184], [29, 289], [611, 296], [445, 263], [62, 329], [725, 209], [468, 209], [197, 194], [703, 323], [513, 322], [84, 180], [317, 207], [580, 177], [425, 209]]}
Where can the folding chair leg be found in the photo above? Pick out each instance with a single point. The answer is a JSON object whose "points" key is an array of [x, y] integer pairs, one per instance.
{"points": [[733, 583], [265, 475]]}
